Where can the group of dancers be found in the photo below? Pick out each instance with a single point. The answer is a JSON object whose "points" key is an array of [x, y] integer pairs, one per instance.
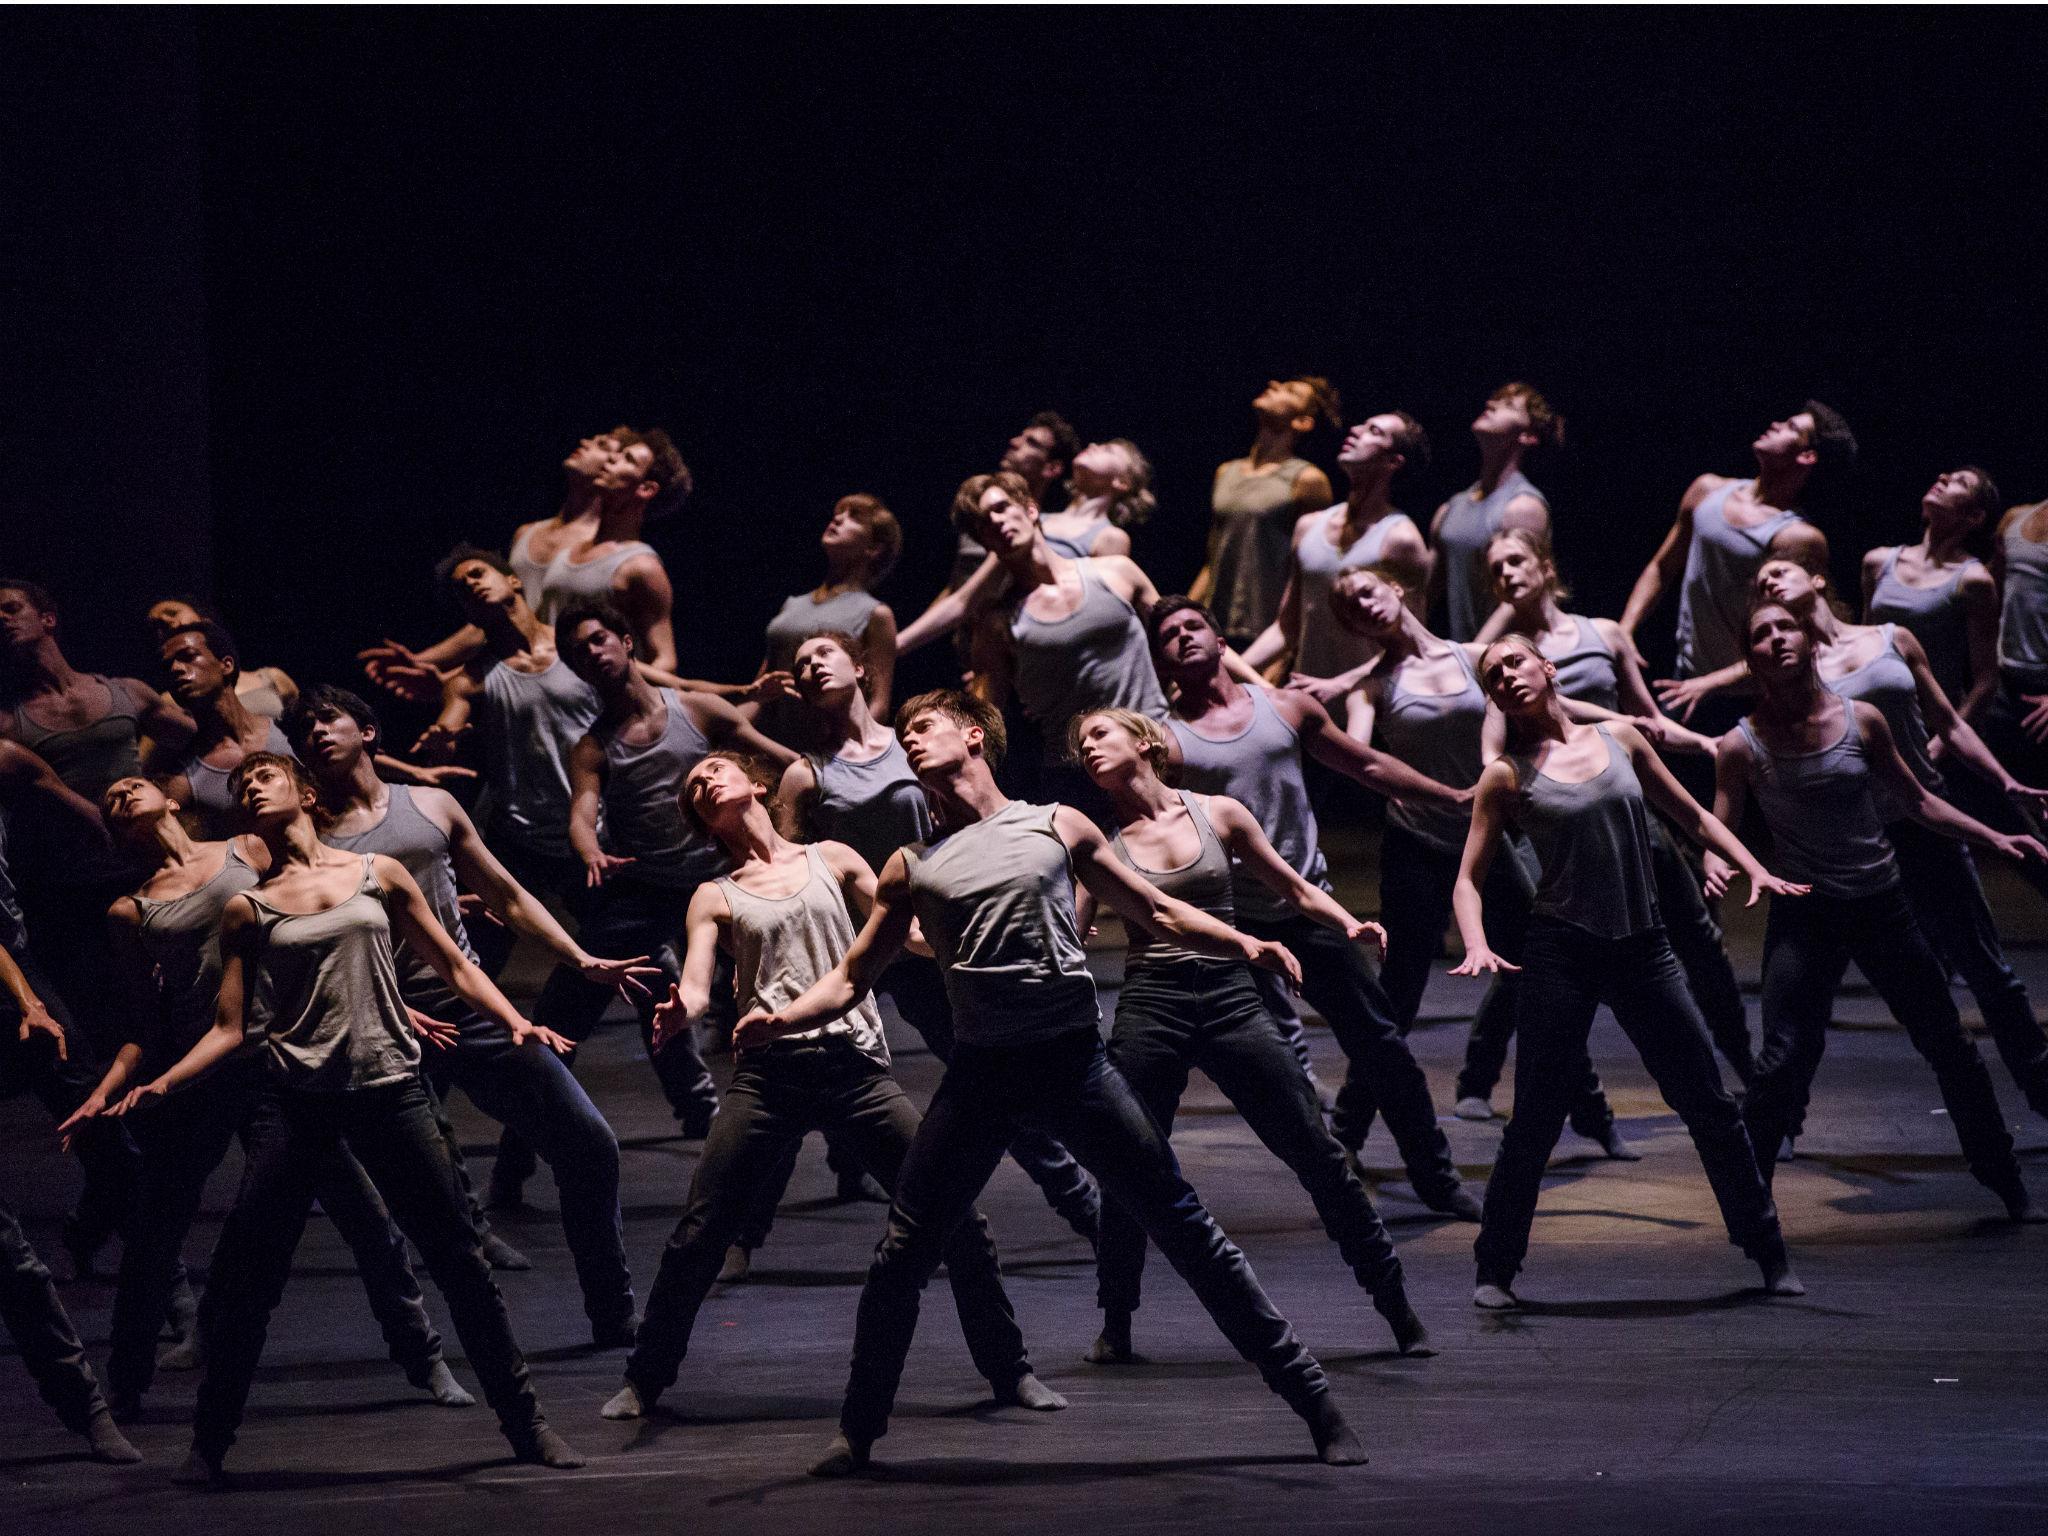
{"points": [[244, 913]]}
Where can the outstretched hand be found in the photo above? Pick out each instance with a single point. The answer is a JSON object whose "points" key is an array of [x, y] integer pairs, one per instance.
{"points": [[1324, 690], [2028, 850], [1681, 695], [139, 1098], [438, 1033], [540, 1034], [1278, 958], [1371, 932], [627, 976], [91, 1109], [1481, 962], [396, 669], [757, 1027], [595, 871], [1776, 887], [36, 1020]]}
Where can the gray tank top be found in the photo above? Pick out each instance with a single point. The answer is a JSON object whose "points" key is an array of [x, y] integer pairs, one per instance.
{"points": [[1887, 682], [88, 759], [996, 900], [1096, 657], [873, 807], [261, 698], [1470, 521], [1592, 843], [783, 945], [212, 810], [1822, 815], [1720, 575], [1586, 669], [567, 582], [800, 618], [1934, 616], [1436, 735], [407, 835], [2023, 616], [1254, 527], [326, 993], [1325, 647], [1202, 882], [1078, 548], [532, 573], [530, 721], [644, 819], [181, 936], [1259, 768]]}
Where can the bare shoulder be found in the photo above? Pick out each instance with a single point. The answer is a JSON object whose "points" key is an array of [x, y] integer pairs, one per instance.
{"points": [[1700, 489]]}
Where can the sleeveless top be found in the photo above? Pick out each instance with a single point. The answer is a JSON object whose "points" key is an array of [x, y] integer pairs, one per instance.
{"points": [[1592, 843], [1586, 669], [643, 818], [1202, 882], [873, 807], [567, 582], [1822, 816], [1254, 528], [1934, 615], [781, 945], [262, 699], [996, 900], [1470, 521], [529, 722], [1720, 573], [799, 618], [1096, 657], [2023, 616], [1325, 647], [1259, 768], [88, 759], [407, 835], [326, 993], [181, 937], [1081, 548], [1887, 682], [532, 573], [1436, 735], [212, 810]]}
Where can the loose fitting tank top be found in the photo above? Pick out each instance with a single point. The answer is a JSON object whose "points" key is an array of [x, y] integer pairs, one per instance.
{"points": [[782, 945], [1254, 527], [532, 573], [181, 936], [1887, 682], [1202, 882], [873, 807], [1096, 657], [1436, 735], [1259, 768], [407, 835], [1934, 615], [88, 759], [1720, 574], [2023, 616], [799, 618], [1078, 548], [1326, 647], [1592, 843], [567, 582], [1822, 815], [643, 818], [996, 900], [530, 721], [212, 809], [261, 696], [1470, 521], [1586, 669], [326, 994]]}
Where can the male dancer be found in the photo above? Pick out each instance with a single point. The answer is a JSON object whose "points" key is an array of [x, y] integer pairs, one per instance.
{"points": [[202, 663], [1247, 743], [1041, 454], [517, 1082], [995, 898], [1516, 421]]}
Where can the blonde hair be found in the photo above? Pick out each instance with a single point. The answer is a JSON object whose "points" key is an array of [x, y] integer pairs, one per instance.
{"points": [[1147, 732], [1538, 544]]}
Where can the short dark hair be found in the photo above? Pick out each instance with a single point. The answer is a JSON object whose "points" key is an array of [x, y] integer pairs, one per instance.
{"points": [[667, 470], [964, 709], [1412, 443], [255, 760], [856, 649], [1324, 403], [462, 554], [1066, 442], [216, 636], [601, 612], [326, 699], [1168, 606], [967, 500], [1833, 444], [1986, 498], [38, 597]]}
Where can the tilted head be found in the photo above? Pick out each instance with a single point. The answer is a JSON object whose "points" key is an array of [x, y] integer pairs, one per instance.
{"points": [[721, 786], [597, 643], [862, 528], [331, 728], [201, 661], [1043, 452], [830, 666], [1187, 642], [1114, 745], [943, 729]]}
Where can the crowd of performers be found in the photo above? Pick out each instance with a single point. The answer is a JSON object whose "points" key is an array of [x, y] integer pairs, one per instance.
{"points": [[232, 910]]}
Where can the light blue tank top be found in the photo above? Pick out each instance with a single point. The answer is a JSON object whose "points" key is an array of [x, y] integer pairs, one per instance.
{"points": [[1720, 575], [644, 818], [2023, 616], [529, 723], [568, 582], [873, 807], [1935, 617], [1592, 842], [801, 617], [1326, 647], [1204, 882], [1586, 669], [407, 835], [1470, 521], [214, 814]]}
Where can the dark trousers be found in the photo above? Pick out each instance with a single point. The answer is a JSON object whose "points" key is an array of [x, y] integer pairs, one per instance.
{"points": [[2025, 760], [777, 1095], [67, 932], [1175, 1016], [1066, 1087], [42, 1331], [392, 1132], [1697, 941], [1567, 974], [1808, 944], [1382, 1077]]}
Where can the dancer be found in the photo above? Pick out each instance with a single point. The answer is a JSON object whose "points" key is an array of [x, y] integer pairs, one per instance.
{"points": [[2014, 718], [202, 663], [308, 951], [861, 542], [512, 1074], [784, 911], [1580, 794], [1181, 1009], [1817, 764], [1257, 502], [264, 691], [994, 896], [1941, 591], [1516, 421], [1042, 454]]}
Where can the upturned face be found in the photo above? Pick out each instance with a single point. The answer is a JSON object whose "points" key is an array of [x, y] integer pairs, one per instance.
{"points": [[716, 788], [1950, 505], [172, 613], [935, 742], [1005, 525], [133, 805], [1786, 439], [1502, 416], [1366, 603], [1188, 646], [1787, 582], [270, 795], [1779, 645], [624, 469], [588, 457], [1370, 441], [824, 671], [1032, 454], [334, 740], [1107, 751], [1517, 679], [194, 672], [480, 585]]}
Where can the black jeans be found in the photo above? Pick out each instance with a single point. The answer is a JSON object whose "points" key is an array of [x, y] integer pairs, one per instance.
{"points": [[2025, 760], [184, 1137], [1382, 1077], [1178, 1015], [1697, 941], [777, 1095], [67, 932], [42, 1331], [1567, 974], [292, 1138], [1066, 1087], [1808, 944]]}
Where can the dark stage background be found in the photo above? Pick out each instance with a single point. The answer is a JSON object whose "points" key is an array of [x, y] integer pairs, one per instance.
{"points": [[297, 299]]}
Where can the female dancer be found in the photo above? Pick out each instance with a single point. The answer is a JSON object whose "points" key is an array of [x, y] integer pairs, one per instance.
{"points": [[1179, 1009], [308, 951], [861, 542], [1817, 762], [1578, 792], [1941, 591], [1515, 422]]}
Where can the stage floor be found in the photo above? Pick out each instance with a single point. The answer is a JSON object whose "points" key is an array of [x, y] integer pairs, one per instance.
{"points": [[1645, 1386]]}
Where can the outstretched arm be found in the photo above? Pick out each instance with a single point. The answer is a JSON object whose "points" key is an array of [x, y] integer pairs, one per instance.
{"points": [[1240, 833], [25, 772], [1489, 815], [690, 999], [1925, 807], [1667, 564], [949, 610], [413, 921], [1349, 755], [1697, 823], [238, 932]]}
